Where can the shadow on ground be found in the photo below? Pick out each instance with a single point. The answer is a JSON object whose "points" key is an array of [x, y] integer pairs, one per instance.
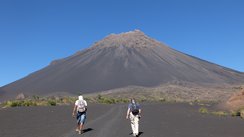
{"points": [[140, 133], [87, 130]]}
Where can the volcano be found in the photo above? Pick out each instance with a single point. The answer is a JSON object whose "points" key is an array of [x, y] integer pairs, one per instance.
{"points": [[118, 61]]}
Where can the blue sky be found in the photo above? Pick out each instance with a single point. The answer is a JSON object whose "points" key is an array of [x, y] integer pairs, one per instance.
{"points": [[33, 33]]}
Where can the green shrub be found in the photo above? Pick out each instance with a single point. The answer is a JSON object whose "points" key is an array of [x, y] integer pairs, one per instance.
{"points": [[99, 97], [235, 113], [219, 113], [203, 110], [28, 103], [106, 100], [51, 103], [122, 100], [191, 103], [13, 103], [242, 113], [18, 103], [36, 97], [162, 100]]}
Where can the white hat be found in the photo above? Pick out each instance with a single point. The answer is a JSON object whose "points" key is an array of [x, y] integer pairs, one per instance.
{"points": [[80, 97]]}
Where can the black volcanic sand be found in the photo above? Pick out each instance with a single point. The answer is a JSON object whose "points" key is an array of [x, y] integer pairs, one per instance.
{"points": [[158, 120]]}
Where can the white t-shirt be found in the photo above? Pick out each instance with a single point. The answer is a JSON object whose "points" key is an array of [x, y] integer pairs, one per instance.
{"points": [[81, 105], [78, 103]]}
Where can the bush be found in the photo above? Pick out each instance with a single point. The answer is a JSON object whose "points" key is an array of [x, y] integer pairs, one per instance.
{"points": [[242, 113], [18, 103], [12, 104], [51, 103], [203, 110], [162, 100], [109, 100], [35, 97], [219, 113], [99, 97], [28, 103], [235, 113], [122, 100], [106, 100]]}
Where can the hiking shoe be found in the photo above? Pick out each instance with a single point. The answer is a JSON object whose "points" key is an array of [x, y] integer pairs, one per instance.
{"points": [[80, 131]]}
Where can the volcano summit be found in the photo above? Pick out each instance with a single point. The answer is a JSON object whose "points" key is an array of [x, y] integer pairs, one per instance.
{"points": [[119, 61]]}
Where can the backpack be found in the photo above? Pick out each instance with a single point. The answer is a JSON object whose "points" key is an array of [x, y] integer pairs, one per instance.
{"points": [[134, 109], [81, 106]]}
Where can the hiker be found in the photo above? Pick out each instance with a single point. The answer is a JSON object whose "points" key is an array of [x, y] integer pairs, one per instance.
{"points": [[80, 109], [133, 113]]}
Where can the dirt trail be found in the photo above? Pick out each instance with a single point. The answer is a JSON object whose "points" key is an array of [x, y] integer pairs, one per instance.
{"points": [[158, 120], [111, 123]]}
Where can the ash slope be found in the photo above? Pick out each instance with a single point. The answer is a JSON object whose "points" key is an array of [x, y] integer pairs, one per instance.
{"points": [[118, 61]]}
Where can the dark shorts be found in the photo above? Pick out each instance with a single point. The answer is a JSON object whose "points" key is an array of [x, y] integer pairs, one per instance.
{"points": [[81, 117]]}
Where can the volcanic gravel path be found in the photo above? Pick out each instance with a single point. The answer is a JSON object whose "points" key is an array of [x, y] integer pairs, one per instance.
{"points": [[158, 120]]}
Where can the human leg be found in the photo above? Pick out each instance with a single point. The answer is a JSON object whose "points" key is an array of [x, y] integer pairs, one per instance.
{"points": [[77, 127], [132, 120], [136, 125], [82, 122], [78, 117]]}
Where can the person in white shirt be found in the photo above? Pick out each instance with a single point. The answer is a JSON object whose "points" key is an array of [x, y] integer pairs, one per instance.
{"points": [[80, 109]]}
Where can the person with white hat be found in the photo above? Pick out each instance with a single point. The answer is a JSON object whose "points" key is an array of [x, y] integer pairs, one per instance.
{"points": [[80, 109]]}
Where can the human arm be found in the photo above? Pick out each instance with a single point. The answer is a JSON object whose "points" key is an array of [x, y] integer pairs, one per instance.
{"points": [[85, 105], [128, 113], [74, 110], [139, 108], [139, 113]]}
